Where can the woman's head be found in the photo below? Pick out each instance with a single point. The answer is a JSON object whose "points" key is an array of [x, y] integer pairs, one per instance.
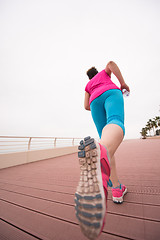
{"points": [[92, 72]]}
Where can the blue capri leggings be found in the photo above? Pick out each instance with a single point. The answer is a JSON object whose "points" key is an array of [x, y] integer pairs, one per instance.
{"points": [[108, 108]]}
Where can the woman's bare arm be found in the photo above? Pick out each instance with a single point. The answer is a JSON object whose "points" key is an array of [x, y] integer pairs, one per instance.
{"points": [[86, 101], [113, 68]]}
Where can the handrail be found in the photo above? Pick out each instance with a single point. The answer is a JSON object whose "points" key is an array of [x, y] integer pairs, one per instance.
{"points": [[29, 143], [36, 137]]}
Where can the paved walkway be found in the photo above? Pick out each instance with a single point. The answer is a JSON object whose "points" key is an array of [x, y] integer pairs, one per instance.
{"points": [[37, 199]]}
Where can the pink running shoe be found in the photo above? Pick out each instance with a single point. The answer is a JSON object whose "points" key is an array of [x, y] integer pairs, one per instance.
{"points": [[118, 193], [91, 194]]}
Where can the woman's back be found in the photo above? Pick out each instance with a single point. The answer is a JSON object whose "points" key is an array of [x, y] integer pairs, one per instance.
{"points": [[100, 83]]}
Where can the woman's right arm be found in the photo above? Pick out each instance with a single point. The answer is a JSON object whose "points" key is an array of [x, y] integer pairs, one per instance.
{"points": [[113, 68]]}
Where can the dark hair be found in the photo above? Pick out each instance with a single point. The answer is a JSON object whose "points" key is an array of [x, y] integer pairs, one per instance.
{"points": [[92, 72]]}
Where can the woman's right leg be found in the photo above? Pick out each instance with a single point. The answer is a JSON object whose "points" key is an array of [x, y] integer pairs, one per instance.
{"points": [[95, 171]]}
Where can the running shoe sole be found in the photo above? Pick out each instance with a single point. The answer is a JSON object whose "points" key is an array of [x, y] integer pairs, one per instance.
{"points": [[90, 201]]}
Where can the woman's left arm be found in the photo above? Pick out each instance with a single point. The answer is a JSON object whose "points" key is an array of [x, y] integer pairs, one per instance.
{"points": [[86, 101]]}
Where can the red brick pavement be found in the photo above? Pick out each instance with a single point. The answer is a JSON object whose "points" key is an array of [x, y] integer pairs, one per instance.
{"points": [[37, 199]]}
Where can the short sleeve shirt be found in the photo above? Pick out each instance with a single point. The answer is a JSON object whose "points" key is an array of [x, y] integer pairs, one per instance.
{"points": [[100, 83]]}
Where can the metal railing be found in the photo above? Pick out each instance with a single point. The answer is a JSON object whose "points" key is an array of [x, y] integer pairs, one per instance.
{"points": [[10, 144]]}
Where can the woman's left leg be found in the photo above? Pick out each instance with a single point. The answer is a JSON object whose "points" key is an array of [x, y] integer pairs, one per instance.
{"points": [[113, 132], [105, 109], [114, 176], [112, 136]]}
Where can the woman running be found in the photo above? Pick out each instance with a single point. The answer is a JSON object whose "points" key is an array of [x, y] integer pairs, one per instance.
{"points": [[97, 162]]}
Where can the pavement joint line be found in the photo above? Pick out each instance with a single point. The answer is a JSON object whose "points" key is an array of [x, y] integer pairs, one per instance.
{"points": [[109, 190], [41, 213], [13, 225], [117, 235], [31, 196], [105, 232], [130, 202], [72, 205], [41, 189]]}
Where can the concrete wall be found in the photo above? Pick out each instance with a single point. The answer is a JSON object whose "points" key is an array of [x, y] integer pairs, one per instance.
{"points": [[18, 158]]}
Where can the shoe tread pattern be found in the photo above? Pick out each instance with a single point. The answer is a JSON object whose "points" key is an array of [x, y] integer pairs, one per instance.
{"points": [[88, 199]]}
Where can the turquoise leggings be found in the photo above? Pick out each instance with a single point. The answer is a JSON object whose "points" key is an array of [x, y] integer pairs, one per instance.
{"points": [[108, 108]]}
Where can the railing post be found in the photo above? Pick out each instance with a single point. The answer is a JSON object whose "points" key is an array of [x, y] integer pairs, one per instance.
{"points": [[55, 142], [29, 144], [73, 142]]}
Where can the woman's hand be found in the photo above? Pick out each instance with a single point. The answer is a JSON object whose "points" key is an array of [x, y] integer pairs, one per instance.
{"points": [[125, 86]]}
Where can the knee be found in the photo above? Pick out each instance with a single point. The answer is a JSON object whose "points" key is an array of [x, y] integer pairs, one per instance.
{"points": [[112, 136], [109, 146]]}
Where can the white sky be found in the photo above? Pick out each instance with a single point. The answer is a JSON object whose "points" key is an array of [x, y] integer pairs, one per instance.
{"points": [[46, 47]]}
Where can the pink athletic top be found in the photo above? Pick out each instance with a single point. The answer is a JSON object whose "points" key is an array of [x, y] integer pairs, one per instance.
{"points": [[100, 83]]}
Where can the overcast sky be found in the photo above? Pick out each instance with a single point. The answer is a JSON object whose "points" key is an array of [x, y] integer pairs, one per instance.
{"points": [[46, 47]]}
